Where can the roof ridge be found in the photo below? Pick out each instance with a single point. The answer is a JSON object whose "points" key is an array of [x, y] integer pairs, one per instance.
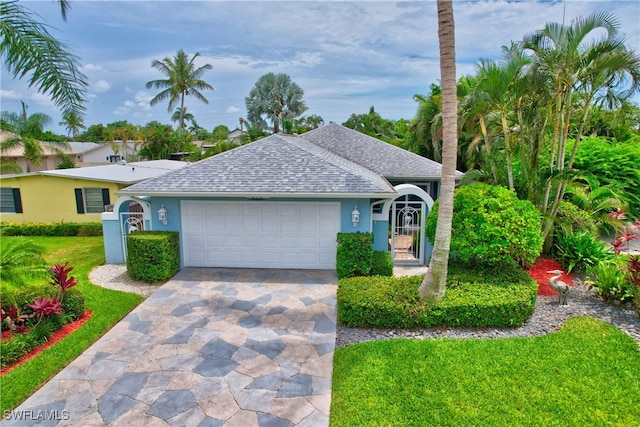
{"points": [[335, 159]]}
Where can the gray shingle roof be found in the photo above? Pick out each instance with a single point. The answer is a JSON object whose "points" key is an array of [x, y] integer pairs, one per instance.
{"points": [[276, 165], [378, 156]]}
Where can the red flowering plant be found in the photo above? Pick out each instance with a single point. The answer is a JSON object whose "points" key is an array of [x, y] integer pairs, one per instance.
{"points": [[12, 319], [60, 278], [45, 307], [633, 275]]}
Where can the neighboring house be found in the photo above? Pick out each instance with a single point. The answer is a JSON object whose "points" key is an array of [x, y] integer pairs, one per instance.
{"points": [[279, 202], [50, 156], [81, 153], [72, 195], [235, 136], [109, 152]]}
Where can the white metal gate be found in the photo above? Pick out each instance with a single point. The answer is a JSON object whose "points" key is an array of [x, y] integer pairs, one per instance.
{"points": [[407, 230], [129, 222]]}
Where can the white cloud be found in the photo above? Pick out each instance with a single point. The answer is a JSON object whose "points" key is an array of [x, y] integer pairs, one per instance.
{"points": [[88, 68], [101, 86], [232, 109], [11, 94]]}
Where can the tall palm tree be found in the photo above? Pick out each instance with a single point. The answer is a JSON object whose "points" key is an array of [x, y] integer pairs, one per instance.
{"points": [[183, 79], [184, 114], [28, 49], [501, 85], [73, 122], [274, 97], [434, 283], [576, 65]]}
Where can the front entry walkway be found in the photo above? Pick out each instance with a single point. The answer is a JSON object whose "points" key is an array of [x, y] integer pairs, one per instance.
{"points": [[212, 347]]}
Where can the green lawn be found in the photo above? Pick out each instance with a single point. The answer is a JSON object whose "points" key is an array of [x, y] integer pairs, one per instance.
{"points": [[108, 307], [586, 374]]}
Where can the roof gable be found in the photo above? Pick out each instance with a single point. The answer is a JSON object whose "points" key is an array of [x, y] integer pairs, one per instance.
{"points": [[376, 155]]}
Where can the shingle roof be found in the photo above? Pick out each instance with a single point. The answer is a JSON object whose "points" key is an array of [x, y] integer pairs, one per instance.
{"points": [[378, 156], [277, 165]]}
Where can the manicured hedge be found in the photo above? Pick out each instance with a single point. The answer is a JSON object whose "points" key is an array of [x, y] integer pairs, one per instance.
{"points": [[153, 256], [58, 229], [474, 298], [354, 255], [382, 264]]}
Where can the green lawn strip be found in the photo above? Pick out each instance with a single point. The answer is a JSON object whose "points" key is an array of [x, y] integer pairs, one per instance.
{"points": [[586, 374], [108, 307]]}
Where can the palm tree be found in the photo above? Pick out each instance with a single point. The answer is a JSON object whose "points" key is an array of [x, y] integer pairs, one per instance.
{"points": [[73, 122], [274, 97], [434, 283], [26, 135], [28, 49], [182, 113], [183, 78], [21, 259], [501, 86], [578, 66]]}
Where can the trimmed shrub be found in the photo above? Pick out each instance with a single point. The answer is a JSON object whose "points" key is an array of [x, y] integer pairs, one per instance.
{"points": [[354, 255], [73, 306], [382, 264], [153, 256], [58, 229], [474, 298], [491, 225]]}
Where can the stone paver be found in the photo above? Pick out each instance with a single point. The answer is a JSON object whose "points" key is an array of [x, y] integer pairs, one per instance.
{"points": [[211, 347]]}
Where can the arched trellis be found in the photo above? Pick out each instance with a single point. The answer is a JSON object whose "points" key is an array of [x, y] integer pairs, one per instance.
{"points": [[406, 216]]}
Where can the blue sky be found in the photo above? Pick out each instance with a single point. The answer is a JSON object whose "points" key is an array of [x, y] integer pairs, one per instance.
{"points": [[346, 56]]}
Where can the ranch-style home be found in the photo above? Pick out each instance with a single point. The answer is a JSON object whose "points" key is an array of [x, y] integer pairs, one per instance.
{"points": [[279, 202], [72, 195]]}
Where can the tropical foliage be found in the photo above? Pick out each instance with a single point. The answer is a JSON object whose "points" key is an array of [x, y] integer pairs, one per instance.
{"points": [[275, 97], [182, 79], [29, 50]]}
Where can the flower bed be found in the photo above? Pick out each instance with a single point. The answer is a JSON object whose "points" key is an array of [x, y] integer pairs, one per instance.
{"points": [[54, 338], [539, 272]]}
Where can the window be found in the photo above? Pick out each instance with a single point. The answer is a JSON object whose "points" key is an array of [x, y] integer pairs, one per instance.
{"points": [[10, 201], [91, 200]]}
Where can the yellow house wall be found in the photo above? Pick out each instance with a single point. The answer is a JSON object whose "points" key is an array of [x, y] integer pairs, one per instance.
{"points": [[52, 199]]}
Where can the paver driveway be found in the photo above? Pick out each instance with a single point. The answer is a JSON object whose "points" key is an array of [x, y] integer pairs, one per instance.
{"points": [[211, 347]]}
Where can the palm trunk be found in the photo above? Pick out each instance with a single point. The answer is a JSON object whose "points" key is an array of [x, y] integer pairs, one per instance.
{"points": [[434, 283]]}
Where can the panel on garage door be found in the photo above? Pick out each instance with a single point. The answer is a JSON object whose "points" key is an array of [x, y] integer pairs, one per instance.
{"points": [[260, 234]]}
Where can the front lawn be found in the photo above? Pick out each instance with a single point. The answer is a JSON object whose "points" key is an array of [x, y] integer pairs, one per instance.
{"points": [[108, 307], [585, 374]]}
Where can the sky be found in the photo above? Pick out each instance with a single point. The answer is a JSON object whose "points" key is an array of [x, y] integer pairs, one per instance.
{"points": [[346, 56]]}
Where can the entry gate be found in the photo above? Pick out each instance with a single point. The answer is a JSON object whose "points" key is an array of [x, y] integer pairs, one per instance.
{"points": [[407, 230]]}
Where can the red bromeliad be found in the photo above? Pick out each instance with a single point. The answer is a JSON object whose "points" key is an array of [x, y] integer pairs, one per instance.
{"points": [[60, 277]]}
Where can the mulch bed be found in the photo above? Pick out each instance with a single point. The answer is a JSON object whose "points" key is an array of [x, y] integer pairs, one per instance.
{"points": [[540, 275], [54, 338]]}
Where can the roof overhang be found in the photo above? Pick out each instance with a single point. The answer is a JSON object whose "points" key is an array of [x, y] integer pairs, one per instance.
{"points": [[256, 195]]}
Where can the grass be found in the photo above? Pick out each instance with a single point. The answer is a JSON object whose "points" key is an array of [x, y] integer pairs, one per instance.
{"points": [[585, 374], [108, 307]]}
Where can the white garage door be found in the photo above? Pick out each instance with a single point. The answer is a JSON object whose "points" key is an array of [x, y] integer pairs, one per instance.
{"points": [[260, 234]]}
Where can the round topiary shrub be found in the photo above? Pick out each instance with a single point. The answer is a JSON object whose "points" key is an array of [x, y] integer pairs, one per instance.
{"points": [[491, 225]]}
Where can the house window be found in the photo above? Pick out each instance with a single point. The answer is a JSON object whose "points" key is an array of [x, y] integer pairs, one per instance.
{"points": [[10, 201], [91, 200], [114, 159]]}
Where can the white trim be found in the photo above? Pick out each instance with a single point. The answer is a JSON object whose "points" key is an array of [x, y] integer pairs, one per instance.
{"points": [[402, 190], [258, 196]]}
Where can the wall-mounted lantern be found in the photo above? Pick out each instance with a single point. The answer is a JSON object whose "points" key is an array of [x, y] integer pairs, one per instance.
{"points": [[162, 215], [355, 217]]}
